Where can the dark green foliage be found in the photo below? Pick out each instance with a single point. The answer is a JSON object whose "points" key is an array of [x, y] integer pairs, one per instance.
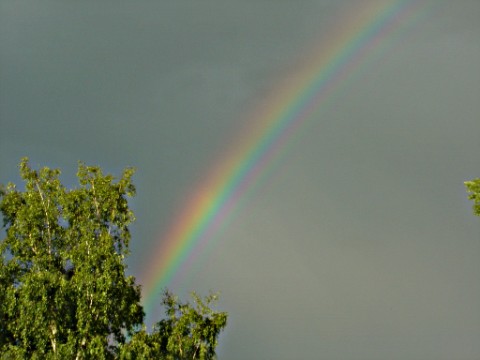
{"points": [[473, 189], [63, 289]]}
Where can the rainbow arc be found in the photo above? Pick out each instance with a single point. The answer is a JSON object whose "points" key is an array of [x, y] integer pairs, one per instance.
{"points": [[270, 128]]}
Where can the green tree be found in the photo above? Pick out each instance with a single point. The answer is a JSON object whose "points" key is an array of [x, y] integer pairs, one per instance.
{"points": [[188, 332], [63, 289], [473, 189]]}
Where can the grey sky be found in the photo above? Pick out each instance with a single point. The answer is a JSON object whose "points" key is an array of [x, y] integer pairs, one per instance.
{"points": [[360, 245]]}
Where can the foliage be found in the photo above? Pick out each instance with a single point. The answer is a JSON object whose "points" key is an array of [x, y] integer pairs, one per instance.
{"points": [[188, 332], [63, 289], [473, 188]]}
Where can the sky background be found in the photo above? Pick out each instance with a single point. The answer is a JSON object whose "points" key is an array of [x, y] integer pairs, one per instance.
{"points": [[360, 243]]}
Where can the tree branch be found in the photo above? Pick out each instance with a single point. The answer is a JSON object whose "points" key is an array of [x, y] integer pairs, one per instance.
{"points": [[45, 209]]}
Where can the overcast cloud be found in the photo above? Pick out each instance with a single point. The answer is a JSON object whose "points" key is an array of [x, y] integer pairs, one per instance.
{"points": [[359, 245]]}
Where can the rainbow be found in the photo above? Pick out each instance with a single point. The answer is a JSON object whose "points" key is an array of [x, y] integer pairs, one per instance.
{"points": [[271, 125]]}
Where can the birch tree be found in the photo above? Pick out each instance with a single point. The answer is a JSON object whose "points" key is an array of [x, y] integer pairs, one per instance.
{"points": [[63, 289]]}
